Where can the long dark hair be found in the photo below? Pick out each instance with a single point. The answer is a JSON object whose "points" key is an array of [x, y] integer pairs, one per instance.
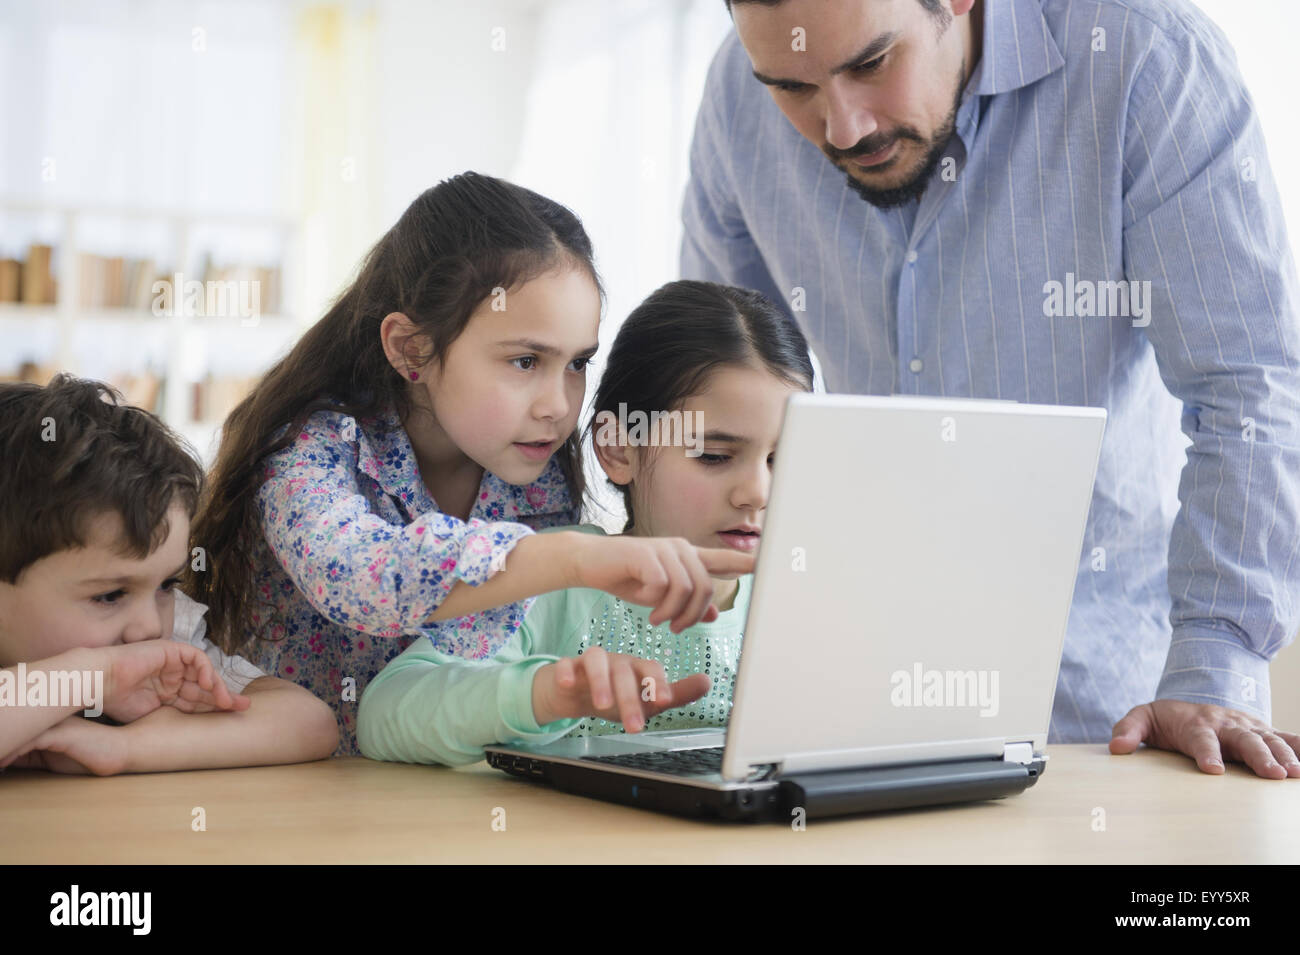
{"points": [[684, 331], [455, 243]]}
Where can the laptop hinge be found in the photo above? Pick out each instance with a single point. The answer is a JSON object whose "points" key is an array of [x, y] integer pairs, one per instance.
{"points": [[1018, 752]]}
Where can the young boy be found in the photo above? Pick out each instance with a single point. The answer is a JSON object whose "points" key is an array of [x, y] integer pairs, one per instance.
{"points": [[95, 505]]}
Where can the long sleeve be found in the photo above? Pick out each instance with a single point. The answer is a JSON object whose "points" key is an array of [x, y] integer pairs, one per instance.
{"points": [[716, 244], [1202, 223], [355, 567], [431, 707]]}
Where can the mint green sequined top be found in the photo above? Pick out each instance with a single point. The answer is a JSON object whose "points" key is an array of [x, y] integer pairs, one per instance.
{"points": [[430, 707]]}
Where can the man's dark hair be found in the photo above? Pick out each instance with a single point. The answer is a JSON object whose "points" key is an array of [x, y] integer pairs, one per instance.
{"points": [[934, 7], [70, 451]]}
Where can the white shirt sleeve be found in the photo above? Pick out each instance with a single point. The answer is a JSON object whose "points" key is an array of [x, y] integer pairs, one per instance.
{"points": [[189, 627]]}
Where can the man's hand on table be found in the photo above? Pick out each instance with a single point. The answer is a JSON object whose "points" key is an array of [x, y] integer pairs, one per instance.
{"points": [[1209, 734]]}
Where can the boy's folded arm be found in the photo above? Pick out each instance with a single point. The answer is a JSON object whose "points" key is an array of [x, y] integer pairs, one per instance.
{"points": [[430, 707], [22, 724], [285, 724]]}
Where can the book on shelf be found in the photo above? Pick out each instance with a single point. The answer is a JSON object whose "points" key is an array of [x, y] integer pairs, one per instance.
{"points": [[267, 281], [28, 371], [140, 389], [11, 271], [37, 285], [213, 398], [117, 282], [120, 282]]}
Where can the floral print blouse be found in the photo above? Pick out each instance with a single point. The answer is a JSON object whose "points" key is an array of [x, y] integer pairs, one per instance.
{"points": [[355, 556]]}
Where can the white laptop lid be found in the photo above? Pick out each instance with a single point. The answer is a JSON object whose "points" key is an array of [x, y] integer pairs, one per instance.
{"points": [[932, 546]]}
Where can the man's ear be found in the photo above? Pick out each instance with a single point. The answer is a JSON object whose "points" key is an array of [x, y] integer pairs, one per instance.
{"points": [[402, 342], [962, 7]]}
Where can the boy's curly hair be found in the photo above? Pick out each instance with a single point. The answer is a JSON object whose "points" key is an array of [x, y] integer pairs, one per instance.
{"points": [[71, 451]]}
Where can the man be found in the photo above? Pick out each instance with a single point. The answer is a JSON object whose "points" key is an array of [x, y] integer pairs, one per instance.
{"points": [[1054, 202]]}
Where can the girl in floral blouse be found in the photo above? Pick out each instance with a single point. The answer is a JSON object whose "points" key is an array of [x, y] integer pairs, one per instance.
{"points": [[384, 480]]}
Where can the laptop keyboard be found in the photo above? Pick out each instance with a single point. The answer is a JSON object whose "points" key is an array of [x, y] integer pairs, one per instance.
{"points": [[678, 762]]}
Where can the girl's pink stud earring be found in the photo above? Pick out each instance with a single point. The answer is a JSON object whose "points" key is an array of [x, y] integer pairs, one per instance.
{"points": [[415, 376]]}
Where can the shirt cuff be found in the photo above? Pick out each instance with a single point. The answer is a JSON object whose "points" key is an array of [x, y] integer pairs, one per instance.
{"points": [[484, 549], [1209, 665], [515, 703]]}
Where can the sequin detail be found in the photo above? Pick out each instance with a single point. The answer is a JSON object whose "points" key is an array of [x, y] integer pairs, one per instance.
{"points": [[708, 649]]}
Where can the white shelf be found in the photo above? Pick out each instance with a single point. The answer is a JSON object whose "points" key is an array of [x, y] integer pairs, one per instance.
{"points": [[91, 316], [71, 320], [112, 211]]}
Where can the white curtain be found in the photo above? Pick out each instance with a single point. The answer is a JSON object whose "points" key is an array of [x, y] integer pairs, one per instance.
{"points": [[607, 125]]}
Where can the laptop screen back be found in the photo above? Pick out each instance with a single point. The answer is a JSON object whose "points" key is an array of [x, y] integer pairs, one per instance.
{"points": [[914, 580]]}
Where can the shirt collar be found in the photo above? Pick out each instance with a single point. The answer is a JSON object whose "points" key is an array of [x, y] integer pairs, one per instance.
{"points": [[1018, 47], [384, 453], [1012, 57]]}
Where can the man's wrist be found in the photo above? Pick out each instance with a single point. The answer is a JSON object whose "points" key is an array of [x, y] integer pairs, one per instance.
{"points": [[1210, 664]]}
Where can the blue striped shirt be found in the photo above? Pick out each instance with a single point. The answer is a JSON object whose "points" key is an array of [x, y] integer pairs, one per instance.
{"points": [[1097, 142]]}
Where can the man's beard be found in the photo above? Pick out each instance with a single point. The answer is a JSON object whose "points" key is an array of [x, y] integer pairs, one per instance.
{"points": [[913, 187]]}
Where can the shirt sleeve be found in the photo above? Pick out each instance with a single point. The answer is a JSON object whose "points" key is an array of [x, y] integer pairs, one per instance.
{"points": [[353, 566], [426, 706], [189, 627], [1203, 224], [716, 244]]}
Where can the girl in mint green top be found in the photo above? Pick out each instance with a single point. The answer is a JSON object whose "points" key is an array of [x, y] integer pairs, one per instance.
{"points": [[685, 426]]}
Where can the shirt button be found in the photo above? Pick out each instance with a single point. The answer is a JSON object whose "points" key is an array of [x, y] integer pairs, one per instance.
{"points": [[911, 256], [915, 365]]}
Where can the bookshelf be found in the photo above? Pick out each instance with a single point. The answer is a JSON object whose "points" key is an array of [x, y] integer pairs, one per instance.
{"points": [[194, 365]]}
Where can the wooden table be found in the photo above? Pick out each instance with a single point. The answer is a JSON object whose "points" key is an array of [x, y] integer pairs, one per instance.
{"points": [[1158, 808]]}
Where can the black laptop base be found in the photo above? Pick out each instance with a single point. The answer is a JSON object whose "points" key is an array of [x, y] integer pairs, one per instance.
{"points": [[819, 795]]}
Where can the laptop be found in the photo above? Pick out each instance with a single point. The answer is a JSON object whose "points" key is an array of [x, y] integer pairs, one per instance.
{"points": [[911, 593]]}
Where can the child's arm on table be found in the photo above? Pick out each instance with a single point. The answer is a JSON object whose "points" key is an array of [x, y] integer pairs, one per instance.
{"points": [[137, 679], [431, 707], [20, 724], [284, 724]]}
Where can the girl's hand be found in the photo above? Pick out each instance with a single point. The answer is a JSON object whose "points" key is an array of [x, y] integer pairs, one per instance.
{"points": [[140, 677], [75, 745], [610, 686], [670, 574]]}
